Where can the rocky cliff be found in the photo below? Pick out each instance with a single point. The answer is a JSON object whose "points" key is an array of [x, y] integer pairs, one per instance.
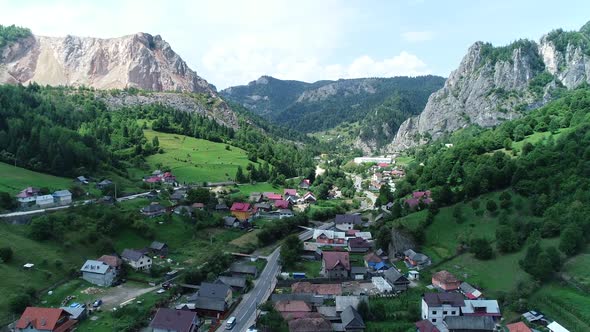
{"points": [[141, 61], [494, 84]]}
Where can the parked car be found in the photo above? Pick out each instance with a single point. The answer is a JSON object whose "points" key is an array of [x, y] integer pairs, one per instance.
{"points": [[231, 322], [97, 303]]}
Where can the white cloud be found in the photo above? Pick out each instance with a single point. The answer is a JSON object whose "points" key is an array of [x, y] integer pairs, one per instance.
{"points": [[417, 36]]}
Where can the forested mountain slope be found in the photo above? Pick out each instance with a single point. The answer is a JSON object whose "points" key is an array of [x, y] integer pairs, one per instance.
{"points": [[310, 107]]}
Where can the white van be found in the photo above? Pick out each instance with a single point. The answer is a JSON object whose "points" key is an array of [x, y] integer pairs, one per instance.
{"points": [[231, 322]]}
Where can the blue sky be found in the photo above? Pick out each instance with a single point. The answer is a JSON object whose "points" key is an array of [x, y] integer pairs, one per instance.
{"points": [[233, 42]]}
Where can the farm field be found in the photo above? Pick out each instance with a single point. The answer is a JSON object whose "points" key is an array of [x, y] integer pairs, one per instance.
{"points": [[569, 307], [195, 160], [14, 179]]}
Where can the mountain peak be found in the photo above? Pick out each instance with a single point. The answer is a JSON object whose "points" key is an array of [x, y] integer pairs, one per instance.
{"points": [[139, 60]]}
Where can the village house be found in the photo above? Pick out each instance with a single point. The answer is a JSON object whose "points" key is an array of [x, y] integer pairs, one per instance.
{"points": [[445, 281], [358, 272], [155, 209], [28, 195], [237, 284], [171, 320], [272, 196], [419, 197], [309, 197], [415, 259], [212, 300], [104, 184], [159, 248], [358, 245], [374, 262], [239, 269], [231, 222], [426, 326], [35, 319], [289, 192], [82, 180], [221, 207], [137, 260], [351, 320], [62, 197], [262, 207], [345, 222], [178, 195], [310, 325], [293, 309], [183, 210], [469, 323], [76, 313], [518, 327], [469, 291], [44, 201], [113, 261], [329, 237], [381, 284], [281, 204], [255, 197], [436, 306], [335, 264], [98, 273], [242, 211], [556, 327], [397, 280], [489, 308]]}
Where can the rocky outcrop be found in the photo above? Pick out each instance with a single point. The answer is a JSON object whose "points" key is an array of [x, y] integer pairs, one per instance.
{"points": [[215, 107], [494, 84], [140, 61]]}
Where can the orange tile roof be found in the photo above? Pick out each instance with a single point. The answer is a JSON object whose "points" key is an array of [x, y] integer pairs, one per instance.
{"points": [[44, 319], [518, 327]]}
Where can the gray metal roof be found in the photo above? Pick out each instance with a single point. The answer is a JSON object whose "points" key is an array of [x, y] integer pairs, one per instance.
{"points": [[213, 291], [232, 281], [74, 312], [157, 245], [354, 219], [394, 276], [243, 268], [132, 255], [207, 303], [95, 267], [351, 319], [62, 193], [471, 323]]}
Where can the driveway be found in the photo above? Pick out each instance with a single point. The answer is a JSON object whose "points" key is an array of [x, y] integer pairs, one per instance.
{"points": [[114, 296]]}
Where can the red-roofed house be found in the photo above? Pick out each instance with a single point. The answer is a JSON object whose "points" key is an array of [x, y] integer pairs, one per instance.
{"points": [[309, 197], [290, 192], [273, 196], [293, 309], [281, 204], [36, 319], [335, 264], [382, 165], [421, 194], [518, 327], [242, 211], [445, 280], [28, 195], [426, 326]]}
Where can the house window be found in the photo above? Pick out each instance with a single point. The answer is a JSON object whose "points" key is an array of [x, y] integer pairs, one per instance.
{"points": [[434, 312], [434, 320], [444, 312], [452, 312]]}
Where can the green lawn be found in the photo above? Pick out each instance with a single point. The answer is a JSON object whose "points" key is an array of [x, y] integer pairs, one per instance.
{"points": [[195, 160], [403, 160], [44, 255], [578, 267], [566, 305], [502, 273], [14, 179], [260, 187], [311, 268]]}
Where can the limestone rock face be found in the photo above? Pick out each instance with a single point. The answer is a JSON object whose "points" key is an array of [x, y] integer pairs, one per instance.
{"points": [[142, 61], [492, 85]]}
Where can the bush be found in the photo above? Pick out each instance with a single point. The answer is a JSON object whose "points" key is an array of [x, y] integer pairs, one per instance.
{"points": [[6, 254]]}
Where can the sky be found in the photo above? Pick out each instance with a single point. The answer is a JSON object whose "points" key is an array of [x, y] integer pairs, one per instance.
{"points": [[233, 42]]}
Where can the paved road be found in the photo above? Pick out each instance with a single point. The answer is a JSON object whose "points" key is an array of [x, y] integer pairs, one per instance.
{"points": [[308, 234], [245, 312], [358, 180]]}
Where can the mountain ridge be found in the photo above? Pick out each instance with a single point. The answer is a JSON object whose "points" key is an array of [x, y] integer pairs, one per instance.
{"points": [[494, 84]]}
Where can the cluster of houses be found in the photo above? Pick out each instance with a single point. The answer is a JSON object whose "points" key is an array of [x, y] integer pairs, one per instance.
{"points": [[456, 306], [384, 173], [33, 196], [159, 176]]}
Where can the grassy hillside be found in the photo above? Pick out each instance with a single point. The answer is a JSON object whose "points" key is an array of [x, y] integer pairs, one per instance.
{"points": [[196, 160], [14, 179], [570, 307]]}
